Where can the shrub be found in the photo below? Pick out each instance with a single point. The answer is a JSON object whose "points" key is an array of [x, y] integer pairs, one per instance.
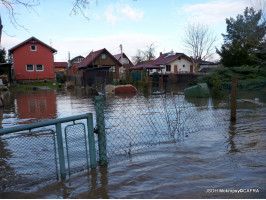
{"points": [[155, 79]]}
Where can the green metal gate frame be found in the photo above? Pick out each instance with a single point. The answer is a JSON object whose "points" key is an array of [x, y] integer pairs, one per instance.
{"points": [[59, 138]]}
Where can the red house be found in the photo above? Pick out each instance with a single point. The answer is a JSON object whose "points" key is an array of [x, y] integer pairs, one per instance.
{"points": [[33, 60]]}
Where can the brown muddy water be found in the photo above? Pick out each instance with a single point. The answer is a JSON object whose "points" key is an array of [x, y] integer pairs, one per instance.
{"points": [[227, 161]]}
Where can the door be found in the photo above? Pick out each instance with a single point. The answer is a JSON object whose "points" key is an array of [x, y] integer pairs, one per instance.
{"points": [[175, 68], [191, 68]]}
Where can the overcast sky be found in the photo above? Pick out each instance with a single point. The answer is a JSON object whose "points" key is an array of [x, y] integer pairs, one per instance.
{"points": [[132, 23]]}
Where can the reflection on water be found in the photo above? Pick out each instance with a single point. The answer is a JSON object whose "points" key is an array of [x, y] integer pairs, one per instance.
{"points": [[40, 105], [228, 157]]}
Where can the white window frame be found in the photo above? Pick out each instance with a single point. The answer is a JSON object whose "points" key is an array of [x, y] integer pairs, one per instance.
{"points": [[33, 49], [30, 70], [39, 70]]}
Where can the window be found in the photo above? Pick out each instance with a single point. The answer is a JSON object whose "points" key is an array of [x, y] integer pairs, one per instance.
{"points": [[112, 69], [168, 68], [33, 48], [103, 56], [29, 68], [39, 68]]}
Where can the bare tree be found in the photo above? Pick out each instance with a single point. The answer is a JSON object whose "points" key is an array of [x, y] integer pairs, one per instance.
{"points": [[146, 55], [199, 43], [10, 7], [149, 53], [79, 6], [138, 58]]}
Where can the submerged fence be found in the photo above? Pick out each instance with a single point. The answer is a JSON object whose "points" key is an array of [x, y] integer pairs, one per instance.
{"points": [[118, 127], [30, 154], [134, 124]]}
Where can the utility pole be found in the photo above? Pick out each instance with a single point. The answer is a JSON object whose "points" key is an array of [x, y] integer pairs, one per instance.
{"points": [[121, 68]]}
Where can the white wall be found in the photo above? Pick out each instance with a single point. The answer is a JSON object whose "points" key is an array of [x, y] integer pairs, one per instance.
{"points": [[179, 64]]}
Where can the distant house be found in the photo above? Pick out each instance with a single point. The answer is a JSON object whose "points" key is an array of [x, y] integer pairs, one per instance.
{"points": [[60, 66], [73, 63], [125, 61], [101, 59], [168, 63], [33, 60], [206, 66]]}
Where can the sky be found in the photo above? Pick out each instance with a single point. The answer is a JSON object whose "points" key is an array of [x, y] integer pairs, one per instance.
{"points": [[108, 23]]}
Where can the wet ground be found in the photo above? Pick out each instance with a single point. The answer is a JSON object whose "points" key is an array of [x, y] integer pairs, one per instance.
{"points": [[222, 162]]}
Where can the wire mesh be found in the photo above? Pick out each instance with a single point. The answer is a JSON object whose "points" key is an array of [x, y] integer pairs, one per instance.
{"points": [[76, 147], [134, 124], [27, 158]]}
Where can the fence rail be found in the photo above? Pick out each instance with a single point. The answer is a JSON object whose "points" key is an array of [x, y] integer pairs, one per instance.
{"points": [[33, 152]]}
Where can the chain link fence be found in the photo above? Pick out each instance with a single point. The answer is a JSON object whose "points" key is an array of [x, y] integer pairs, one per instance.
{"points": [[123, 125], [27, 158], [134, 124]]}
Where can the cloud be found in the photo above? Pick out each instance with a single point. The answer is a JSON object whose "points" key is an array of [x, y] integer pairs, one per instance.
{"points": [[214, 12], [8, 42], [121, 11], [83, 46], [133, 14]]}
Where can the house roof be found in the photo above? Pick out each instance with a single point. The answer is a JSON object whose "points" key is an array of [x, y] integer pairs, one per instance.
{"points": [[118, 56], [168, 57], [162, 59], [203, 62], [93, 56], [30, 39], [76, 58], [60, 64]]}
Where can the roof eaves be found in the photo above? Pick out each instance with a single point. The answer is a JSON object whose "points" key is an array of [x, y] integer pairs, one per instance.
{"points": [[31, 38]]}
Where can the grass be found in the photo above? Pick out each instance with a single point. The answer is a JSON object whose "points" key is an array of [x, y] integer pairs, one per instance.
{"points": [[30, 86]]}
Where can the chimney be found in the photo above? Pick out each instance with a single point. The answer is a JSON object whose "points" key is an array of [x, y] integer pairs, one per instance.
{"points": [[161, 54]]}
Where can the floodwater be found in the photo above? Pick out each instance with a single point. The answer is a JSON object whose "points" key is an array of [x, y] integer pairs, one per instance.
{"points": [[227, 161]]}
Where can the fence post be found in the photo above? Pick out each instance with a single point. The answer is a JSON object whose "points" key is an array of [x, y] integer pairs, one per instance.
{"points": [[99, 107], [91, 141], [233, 98], [60, 150]]}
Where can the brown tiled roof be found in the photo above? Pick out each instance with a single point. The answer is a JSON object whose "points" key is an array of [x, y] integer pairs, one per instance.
{"points": [[32, 38], [166, 58], [93, 56], [60, 64]]}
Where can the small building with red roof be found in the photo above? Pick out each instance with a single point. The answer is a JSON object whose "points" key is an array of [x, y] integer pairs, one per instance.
{"points": [[101, 59], [60, 66], [33, 60], [168, 63]]}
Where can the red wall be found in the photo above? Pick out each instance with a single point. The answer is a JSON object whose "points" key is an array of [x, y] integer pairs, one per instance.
{"points": [[23, 56]]}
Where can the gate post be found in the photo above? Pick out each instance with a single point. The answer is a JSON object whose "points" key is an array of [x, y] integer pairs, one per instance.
{"points": [[99, 108], [91, 142], [233, 98], [60, 150]]}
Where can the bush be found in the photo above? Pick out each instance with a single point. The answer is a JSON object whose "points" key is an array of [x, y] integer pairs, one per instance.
{"points": [[155, 79], [244, 74], [216, 90]]}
